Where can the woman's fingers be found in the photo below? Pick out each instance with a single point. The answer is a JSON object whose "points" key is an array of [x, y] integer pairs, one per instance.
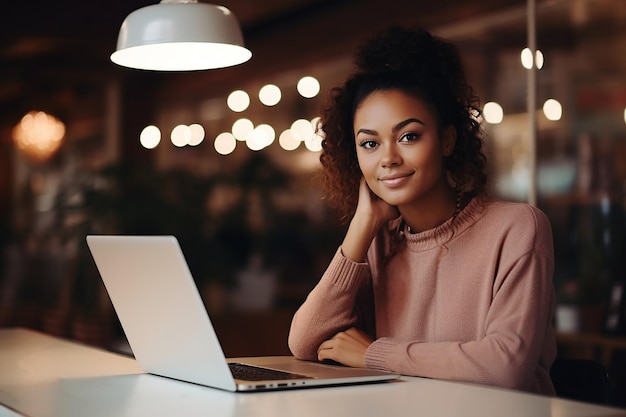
{"points": [[346, 347]]}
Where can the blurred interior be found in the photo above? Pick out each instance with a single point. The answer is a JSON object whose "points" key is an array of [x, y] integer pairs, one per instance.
{"points": [[253, 224]]}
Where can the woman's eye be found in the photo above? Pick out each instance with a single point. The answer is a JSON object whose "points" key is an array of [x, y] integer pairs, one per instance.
{"points": [[410, 137], [368, 144]]}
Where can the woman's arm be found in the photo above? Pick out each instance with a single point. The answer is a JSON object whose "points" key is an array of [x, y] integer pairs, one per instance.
{"points": [[338, 302], [334, 305]]}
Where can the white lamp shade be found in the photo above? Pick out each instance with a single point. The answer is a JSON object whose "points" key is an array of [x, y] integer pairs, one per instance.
{"points": [[180, 36]]}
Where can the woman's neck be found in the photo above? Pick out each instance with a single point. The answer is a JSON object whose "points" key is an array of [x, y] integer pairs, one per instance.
{"points": [[430, 212]]}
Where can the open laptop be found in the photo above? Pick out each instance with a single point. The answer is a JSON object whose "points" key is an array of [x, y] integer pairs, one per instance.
{"points": [[169, 330]]}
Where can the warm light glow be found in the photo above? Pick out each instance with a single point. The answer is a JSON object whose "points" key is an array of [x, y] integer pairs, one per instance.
{"points": [[181, 135], [150, 137], [262, 136], [238, 101], [268, 132], [308, 87], [493, 113], [242, 128], [527, 58], [38, 135], [225, 143], [255, 141], [197, 134], [624, 115], [316, 124], [539, 59], [287, 141], [302, 129], [270, 95], [181, 56], [552, 109], [314, 143]]}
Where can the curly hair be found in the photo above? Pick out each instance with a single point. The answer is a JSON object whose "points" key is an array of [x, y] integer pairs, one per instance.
{"points": [[419, 64]]}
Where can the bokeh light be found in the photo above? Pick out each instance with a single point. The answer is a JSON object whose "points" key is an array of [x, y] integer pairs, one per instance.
{"points": [[493, 113], [270, 95], [552, 109], [262, 136], [302, 129], [526, 57], [225, 143], [242, 128], [288, 141], [308, 87], [180, 136], [238, 101], [38, 135], [150, 137], [197, 134]]}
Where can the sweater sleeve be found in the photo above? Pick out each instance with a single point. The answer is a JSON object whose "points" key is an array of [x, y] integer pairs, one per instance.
{"points": [[517, 348], [332, 306]]}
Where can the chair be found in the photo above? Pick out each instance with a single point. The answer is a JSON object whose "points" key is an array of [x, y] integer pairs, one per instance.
{"points": [[581, 380]]}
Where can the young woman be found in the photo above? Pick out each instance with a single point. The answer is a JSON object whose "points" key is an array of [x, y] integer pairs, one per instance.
{"points": [[433, 278]]}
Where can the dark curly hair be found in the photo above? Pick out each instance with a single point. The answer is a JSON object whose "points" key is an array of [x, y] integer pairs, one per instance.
{"points": [[424, 66]]}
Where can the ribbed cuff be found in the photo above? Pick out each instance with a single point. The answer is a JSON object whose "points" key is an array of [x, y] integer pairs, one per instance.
{"points": [[344, 272], [377, 353]]}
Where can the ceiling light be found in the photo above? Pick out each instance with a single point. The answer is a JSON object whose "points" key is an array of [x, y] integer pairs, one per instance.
{"points": [[180, 35]]}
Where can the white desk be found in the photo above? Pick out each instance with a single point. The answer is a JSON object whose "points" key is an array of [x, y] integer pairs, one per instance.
{"points": [[45, 376]]}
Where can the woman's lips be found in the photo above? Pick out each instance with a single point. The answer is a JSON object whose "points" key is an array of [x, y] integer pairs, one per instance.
{"points": [[393, 181]]}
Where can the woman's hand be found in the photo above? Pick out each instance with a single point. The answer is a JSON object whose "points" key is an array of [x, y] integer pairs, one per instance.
{"points": [[371, 214], [346, 347], [373, 208]]}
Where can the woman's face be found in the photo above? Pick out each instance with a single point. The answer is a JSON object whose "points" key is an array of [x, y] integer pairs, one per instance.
{"points": [[400, 149]]}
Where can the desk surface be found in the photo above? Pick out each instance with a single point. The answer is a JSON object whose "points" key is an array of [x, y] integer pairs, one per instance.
{"points": [[43, 376]]}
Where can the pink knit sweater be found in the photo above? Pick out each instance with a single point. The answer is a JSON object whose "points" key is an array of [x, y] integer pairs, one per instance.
{"points": [[471, 300]]}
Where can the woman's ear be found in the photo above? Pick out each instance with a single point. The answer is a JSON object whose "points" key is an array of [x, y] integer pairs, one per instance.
{"points": [[448, 140]]}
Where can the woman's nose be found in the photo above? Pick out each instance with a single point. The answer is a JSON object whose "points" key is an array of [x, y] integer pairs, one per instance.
{"points": [[390, 157]]}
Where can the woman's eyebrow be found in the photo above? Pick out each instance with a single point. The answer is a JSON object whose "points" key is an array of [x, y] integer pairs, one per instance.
{"points": [[367, 132], [406, 122], [393, 129]]}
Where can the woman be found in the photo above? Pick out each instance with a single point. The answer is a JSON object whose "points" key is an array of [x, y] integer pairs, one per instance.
{"points": [[433, 277]]}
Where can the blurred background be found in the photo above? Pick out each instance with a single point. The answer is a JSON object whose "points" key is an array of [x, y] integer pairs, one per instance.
{"points": [[138, 152]]}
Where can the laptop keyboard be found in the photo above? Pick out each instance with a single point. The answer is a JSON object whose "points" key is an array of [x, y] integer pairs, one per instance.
{"points": [[255, 373]]}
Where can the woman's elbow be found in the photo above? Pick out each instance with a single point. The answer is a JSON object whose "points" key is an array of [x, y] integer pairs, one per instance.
{"points": [[511, 377], [300, 349]]}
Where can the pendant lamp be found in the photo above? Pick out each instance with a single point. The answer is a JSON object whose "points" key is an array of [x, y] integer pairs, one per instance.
{"points": [[180, 35]]}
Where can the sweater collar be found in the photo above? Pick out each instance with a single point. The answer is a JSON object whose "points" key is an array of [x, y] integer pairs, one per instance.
{"points": [[443, 233]]}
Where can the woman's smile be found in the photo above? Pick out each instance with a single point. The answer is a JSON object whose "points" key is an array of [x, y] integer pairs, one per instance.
{"points": [[396, 180]]}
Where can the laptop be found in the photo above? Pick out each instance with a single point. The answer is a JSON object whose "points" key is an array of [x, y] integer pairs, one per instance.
{"points": [[169, 330]]}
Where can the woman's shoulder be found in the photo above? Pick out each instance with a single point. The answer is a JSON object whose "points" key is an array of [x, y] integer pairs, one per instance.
{"points": [[522, 221], [516, 212]]}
